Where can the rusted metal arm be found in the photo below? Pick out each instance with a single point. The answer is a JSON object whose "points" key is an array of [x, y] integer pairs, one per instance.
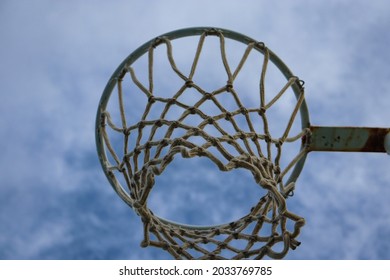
{"points": [[348, 139]]}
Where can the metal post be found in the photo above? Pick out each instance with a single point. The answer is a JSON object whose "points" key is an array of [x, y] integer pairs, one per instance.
{"points": [[348, 139]]}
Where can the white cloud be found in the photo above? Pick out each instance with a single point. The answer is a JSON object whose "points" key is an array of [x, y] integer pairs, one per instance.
{"points": [[57, 57]]}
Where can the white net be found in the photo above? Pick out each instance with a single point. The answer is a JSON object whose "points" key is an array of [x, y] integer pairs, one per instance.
{"points": [[191, 121]]}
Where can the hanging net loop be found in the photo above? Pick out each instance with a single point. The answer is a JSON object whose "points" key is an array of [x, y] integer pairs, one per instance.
{"points": [[151, 141]]}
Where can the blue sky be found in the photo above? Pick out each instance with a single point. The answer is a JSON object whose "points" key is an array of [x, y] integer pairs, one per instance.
{"points": [[56, 58]]}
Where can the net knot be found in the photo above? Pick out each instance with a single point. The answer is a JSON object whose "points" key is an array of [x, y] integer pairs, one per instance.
{"points": [[179, 250], [148, 145], [191, 244], [127, 131], [233, 225], [229, 86], [103, 118], [222, 245], [175, 124], [244, 111], [151, 99], [164, 142], [171, 101], [306, 138], [141, 125], [192, 110], [249, 219], [158, 123], [244, 254], [137, 150], [189, 83], [253, 238], [208, 96], [241, 135], [213, 141], [211, 256], [267, 138], [279, 143], [259, 45], [195, 131], [157, 41], [210, 120], [212, 31], [228, 116]]}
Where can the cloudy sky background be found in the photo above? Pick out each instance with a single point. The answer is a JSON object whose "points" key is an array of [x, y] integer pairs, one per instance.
{"points": [[56, 58]]}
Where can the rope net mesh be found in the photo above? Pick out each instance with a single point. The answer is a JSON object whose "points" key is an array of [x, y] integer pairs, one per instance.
{"points": [[269, 229]]}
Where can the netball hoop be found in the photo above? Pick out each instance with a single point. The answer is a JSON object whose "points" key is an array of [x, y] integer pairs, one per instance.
{"points": [[165, 102]]}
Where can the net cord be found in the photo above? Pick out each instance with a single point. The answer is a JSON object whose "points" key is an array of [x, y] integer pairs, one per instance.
{"points": [[179, 239]]}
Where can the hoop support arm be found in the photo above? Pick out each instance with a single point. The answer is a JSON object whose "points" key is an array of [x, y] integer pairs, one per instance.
{"points": [[349, 139]]}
